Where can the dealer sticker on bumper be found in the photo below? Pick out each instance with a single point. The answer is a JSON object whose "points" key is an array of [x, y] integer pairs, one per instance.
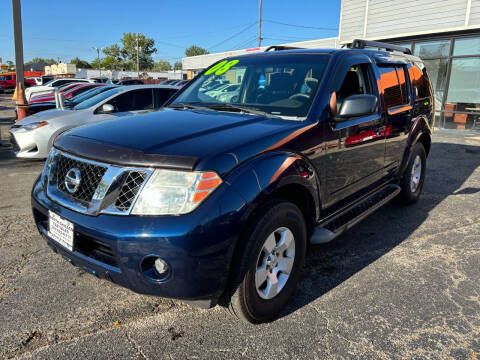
{"points": [[60, 230]]}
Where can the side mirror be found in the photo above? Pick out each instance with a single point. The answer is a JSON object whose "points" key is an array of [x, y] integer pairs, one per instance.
{"points": [[357, 105], [107, 108]]}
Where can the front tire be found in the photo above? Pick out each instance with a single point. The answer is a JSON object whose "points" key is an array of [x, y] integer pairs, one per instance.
{"points": [[414, 176], [271, 258]]}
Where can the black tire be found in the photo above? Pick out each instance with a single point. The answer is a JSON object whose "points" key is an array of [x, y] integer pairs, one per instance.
{"points": [[245, 301], [407, 195]]}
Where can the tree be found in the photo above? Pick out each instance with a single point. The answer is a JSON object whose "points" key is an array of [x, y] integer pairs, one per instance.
{"points": [[195, 50], [177, 65], [82, 64], [162, 65], [114, 58], [129, 50], [96, 64], [11, 65], [39, 60]]}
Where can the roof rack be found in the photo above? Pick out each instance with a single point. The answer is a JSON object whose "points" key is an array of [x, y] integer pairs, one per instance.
{"points": [[362, 44], [281, 47]]}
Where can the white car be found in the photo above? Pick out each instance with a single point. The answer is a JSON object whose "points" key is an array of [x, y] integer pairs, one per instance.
{"points": [[51, 85], [33, 136]]}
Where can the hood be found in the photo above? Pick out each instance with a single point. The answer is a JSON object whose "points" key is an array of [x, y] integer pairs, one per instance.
{"points": [[193, 139], [44, 116]]}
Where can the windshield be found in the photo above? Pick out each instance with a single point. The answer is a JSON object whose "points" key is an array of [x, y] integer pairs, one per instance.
{"points": [[97, 98], [278, 85], [88, 94]]}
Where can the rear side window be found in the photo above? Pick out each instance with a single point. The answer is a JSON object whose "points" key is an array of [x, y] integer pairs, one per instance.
{"points": [[162, 95], [394, 85], [420, 80]]}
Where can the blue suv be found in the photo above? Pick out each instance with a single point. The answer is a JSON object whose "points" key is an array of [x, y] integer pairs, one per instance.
{"points": [[216, 200]]}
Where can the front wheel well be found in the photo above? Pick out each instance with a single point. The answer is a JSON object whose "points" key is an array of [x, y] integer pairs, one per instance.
{"points": [[426, 142], [302, 198]]}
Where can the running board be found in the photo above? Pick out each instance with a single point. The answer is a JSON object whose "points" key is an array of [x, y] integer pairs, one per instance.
{"points": [[331, 228]]}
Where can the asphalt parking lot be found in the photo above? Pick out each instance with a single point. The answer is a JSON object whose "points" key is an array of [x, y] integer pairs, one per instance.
{"points": [[402, 284]]}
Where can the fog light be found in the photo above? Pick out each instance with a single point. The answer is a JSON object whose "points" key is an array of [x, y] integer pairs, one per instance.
{"points": [[161, 266], [155, 268]]}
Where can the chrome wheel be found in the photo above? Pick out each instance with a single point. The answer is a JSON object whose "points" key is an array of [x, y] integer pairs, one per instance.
{"points": [[274, 263], [416, 174]]}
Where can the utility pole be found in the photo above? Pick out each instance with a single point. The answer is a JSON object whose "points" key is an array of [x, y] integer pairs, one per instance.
{"points": [[138, 68], [260, 24], [98, 59], [17, 35]]}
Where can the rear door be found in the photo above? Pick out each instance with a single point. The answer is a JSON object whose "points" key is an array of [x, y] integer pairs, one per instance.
{"points": [[356, 146], [397, 107]]}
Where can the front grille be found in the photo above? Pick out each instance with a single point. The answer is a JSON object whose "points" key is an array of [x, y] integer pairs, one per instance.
{"points": [[90, 174], [129, 189]]}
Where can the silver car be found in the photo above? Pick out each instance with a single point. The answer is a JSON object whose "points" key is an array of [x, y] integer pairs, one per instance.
{"points": [[33, 136]]}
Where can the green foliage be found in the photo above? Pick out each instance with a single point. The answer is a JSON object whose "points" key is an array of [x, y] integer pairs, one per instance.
{"points": [[96, 64], [10, 64], [82, 64], [195, 50], [40, 60], [162, 65], [177, 65]]}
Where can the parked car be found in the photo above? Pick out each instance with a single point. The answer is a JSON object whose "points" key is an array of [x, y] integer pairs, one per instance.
{"points": [[182, 83], [9, 81], [69, 103], [32, 136], [129, 82], [51, 85], [215, 203], [223, 90], [68, 92]]}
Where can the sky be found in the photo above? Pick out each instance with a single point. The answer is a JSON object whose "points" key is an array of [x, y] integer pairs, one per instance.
{"points": [[66, 29]]}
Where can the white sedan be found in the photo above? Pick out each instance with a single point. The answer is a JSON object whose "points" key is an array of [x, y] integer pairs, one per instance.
{"points": [[33, 136], [52, 85]]}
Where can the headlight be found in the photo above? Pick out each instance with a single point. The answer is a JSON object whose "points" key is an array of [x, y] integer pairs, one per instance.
{"points": [[48, 165], [34, 125], [170, 192]]}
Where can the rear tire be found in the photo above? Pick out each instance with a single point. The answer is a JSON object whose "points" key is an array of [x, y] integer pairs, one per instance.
{"points": [[271, 258], [414, 176]]}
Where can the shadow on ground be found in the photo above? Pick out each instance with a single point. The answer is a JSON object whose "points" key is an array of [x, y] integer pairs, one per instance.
{"points": [[327, 266]]}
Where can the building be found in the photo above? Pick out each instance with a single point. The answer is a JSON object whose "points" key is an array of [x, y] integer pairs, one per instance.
{"points": [[444, 33]]}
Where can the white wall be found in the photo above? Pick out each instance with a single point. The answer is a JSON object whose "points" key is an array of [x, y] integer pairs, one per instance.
{"points": [[116, 74], [377, 19]]}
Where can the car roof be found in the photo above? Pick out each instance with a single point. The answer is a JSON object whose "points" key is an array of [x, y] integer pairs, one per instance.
{"points": [[148, 86], [320, 51]]}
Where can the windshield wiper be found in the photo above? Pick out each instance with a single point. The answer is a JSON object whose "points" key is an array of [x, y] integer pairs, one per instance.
{"points": [[191, 105], [244, 109]]}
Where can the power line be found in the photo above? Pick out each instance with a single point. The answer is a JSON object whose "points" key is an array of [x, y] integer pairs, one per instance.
{"points": [[300, 26], [233, 36]]}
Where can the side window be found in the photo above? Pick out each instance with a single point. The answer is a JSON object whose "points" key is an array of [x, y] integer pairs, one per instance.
{"points": [[133, 100], [162, 95], [357, 81], [421, 81], [403, 84], [392, 83]]}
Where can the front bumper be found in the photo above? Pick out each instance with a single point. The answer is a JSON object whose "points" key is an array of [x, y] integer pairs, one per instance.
{"points": [[33, 144], [196, 246]]}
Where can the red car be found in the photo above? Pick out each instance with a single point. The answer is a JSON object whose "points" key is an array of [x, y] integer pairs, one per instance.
{"points": [[8, 82], [68, 91]]}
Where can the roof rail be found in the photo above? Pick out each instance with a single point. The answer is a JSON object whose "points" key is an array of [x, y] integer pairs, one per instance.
{"points": [[362, 44], [281, 47]]}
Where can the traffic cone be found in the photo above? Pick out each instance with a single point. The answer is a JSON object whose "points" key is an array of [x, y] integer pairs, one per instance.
{"points": [[22, 105]]}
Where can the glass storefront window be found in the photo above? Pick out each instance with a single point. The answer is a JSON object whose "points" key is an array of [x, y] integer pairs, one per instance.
{"points": [[463, 94], [467, 46], [437, 70], [432, 49]]}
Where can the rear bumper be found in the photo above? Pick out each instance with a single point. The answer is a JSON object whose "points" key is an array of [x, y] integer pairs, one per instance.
{"points": [[197, 247]]}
